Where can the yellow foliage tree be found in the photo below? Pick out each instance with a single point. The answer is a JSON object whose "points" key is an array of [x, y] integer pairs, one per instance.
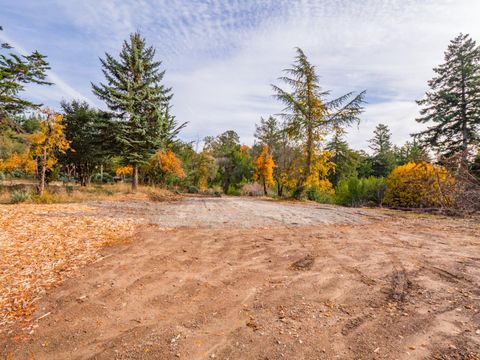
{"points": [[47, 143], [163, 164], [263, 168], [316, 177], [16, 161], [419, 185], [124, 171], [206, 168]]}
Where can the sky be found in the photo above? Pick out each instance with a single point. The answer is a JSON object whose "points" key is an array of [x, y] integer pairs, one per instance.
{"points": [[221, 56]]}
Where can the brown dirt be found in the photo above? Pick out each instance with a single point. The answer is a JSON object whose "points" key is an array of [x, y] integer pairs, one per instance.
{"points": [[235, 278]]}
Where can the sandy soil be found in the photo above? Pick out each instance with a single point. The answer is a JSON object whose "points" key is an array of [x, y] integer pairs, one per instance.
{"points": [[234, 278]]}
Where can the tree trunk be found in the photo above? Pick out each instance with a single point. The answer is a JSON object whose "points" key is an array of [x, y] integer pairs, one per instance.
{"points": [[308, 165], [464, 120], [135, 178], [279, 189], [41, 188], [264, 187]]}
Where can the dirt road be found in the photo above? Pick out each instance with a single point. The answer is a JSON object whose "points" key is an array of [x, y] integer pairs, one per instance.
{"points": [[235, 278]]}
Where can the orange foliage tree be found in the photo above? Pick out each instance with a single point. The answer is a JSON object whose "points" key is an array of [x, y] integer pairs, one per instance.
{"points": [[47, 143], [164, 163], [123, 171], [263, 168]]}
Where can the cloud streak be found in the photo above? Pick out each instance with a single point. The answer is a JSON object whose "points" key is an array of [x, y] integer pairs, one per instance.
{"points": [[222, 56]]}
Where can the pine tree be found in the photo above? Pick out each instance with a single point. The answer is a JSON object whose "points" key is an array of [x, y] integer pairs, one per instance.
{"points": [[269, 133], [453, 102], [383, 154], [15, 72], [310, 116], [91, 142], [344, 158], [411, 152], [134, 92]]}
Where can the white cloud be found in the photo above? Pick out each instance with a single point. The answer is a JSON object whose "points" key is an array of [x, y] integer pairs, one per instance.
{"points": [[221, 56], [60, 88]]}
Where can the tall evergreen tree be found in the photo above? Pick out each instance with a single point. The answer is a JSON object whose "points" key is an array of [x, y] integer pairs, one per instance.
{"points": [[91, 138], [383, 152], [269, 133], [452, 106], [15, 72], [345, 159], [310, 116], [411, 151], [135, 93]]}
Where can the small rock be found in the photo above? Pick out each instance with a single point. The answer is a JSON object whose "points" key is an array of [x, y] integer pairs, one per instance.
{"points": [[477, 332], [376, 350]]}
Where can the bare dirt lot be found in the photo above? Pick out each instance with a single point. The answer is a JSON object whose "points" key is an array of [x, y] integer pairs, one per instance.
{"points": [[236, 278]]}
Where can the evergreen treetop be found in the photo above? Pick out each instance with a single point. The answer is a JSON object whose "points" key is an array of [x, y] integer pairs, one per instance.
{"points": [[452, 105]]}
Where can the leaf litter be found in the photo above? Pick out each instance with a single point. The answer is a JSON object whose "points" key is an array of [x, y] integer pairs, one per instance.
{"points": [[41, 245]]}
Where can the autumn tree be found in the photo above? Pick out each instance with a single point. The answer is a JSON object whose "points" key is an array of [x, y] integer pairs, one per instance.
{"points": [[263, 167], [162, 165], [452, 105], [18, 162], [17, 71], [310, 116], [47, 143], [205, 170], [135, 93]]}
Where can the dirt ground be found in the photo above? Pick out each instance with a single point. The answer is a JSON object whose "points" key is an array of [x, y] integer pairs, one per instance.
{"points": [[236, 278]]}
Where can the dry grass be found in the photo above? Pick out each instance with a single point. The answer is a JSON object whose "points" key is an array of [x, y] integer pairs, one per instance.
{"points": [[77, 194]]}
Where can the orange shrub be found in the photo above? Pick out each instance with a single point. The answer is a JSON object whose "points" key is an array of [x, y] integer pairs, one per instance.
{"points": [[124, 170], [419, 185]]}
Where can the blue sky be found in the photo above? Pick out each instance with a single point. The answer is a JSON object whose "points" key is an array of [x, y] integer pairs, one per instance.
{"points": [[221, 56]]}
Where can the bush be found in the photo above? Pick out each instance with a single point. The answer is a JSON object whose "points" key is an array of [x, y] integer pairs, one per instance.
{"points": [[46, 198], [19, 196], [104, 178], [356, 191], [298, 193], [232, 190], [314, 193], [193, 190], [252, 189], [420, 185]]}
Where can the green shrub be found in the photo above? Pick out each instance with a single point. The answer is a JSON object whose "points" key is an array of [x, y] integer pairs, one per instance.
{"points": [[315, 194], [19, 196], [232, 190], [104, 178], [298, 193], [358, 192], [193, 190]]}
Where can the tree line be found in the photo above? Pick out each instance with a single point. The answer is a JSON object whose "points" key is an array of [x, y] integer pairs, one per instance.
{"points": [[301, 152]]}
